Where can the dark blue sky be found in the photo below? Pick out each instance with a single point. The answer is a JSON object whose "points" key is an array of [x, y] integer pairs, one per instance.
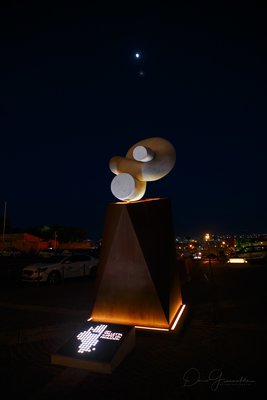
{"points": [[72, 97]]}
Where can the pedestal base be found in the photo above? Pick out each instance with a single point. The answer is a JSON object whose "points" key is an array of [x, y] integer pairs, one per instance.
{"points": [[138, 279]]}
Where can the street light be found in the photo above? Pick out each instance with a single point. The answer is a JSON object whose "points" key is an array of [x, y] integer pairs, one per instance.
{"points": [[207, 237], [4, 223]]}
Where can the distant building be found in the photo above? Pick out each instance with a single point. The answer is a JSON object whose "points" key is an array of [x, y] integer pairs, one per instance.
{"points": [[24, 241], [32, 244]]}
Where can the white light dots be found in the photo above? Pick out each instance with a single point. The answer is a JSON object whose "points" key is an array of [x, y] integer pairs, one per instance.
{"points": [[90, 338]]}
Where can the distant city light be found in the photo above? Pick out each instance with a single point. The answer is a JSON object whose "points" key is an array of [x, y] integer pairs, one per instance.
{"points": [[236, 260], [207, 236]]}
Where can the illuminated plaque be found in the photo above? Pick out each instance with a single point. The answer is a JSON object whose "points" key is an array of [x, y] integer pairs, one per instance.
{"points": [[98, 346]]}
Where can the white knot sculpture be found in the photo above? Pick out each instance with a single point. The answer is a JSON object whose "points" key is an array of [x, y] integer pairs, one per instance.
{"points": [[148, 160]]}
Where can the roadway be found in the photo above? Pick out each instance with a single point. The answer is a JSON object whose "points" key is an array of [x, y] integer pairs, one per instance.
{"points": [[226, 331]]}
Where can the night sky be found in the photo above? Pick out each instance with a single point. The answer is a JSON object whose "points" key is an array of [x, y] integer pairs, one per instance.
{"points": [[73, 95]]}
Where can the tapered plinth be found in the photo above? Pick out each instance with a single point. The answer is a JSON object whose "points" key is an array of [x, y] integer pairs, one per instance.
{"points": [[138, 278]]}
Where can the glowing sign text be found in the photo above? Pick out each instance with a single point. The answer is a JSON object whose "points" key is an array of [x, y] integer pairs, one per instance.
{"points": [[111, 335]]}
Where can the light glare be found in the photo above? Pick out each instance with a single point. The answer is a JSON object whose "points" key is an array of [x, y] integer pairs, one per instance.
{"points": [[237, 261], [178, 317]]}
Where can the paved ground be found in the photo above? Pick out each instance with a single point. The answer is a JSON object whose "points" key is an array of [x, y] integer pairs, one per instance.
{"points": [[220, 352]]}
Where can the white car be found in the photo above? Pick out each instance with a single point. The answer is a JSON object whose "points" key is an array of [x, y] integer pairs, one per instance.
{"points": [[197, 255], [10, 252], [60, 268]]}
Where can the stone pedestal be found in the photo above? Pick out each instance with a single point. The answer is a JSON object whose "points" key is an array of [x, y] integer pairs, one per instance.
{"points": [[138, 279]]}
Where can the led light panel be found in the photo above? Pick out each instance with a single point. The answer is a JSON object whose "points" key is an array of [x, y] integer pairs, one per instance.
{"points": [[98, 346]]}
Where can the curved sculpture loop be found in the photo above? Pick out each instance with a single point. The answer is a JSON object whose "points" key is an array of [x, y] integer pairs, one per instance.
{"points": [[148, 160]]}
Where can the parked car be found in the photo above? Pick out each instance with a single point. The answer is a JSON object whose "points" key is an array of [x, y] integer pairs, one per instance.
{"points": [[10, 252], [197, 255], [60, 268]]}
